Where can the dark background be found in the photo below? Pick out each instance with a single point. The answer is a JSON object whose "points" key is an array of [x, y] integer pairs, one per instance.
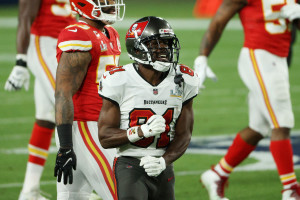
{"points": [[8, 2]]}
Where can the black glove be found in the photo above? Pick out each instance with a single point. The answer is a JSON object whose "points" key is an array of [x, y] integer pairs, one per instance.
{"points": [[65, 161]]}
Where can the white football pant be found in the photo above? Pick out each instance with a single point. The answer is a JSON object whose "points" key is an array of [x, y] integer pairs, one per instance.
{"points": [[41, 59], [266, 76], [94, 166]]}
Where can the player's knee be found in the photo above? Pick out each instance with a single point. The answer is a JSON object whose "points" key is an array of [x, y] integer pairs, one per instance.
{"points": [[280, 133], [250, 136], [45, 123]]}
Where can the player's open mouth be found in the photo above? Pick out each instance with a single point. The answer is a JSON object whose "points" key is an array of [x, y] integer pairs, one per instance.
{"points": [[163, 58]]}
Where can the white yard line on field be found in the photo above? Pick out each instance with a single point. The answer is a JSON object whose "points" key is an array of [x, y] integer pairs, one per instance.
{"points": [[16, 120], [20, 184], [178, 173], [7, 57]]}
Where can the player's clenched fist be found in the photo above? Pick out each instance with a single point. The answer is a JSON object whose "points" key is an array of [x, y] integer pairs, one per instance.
{"points": [[65, 161], [153, 166], [155, 125]]}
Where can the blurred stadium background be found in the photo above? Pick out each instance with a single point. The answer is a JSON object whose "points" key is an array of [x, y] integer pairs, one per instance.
{"points": [[220, 110]]}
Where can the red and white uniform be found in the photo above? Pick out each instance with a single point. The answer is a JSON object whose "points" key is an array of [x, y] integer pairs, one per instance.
{"points": [[262, 26], [105, 55], [138, 101], [53, 16], [105, 52], [262, 64]]}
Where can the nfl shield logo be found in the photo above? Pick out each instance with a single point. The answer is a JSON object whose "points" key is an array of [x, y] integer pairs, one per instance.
{"points": [[100, 86], [155, 91]]}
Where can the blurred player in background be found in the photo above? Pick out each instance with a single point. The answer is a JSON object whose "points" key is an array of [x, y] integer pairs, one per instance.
{"points": [[40, 22], [263, 68], [85, 51], [147, 111]]}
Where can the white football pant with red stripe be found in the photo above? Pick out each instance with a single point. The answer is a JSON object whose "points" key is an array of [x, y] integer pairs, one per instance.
{"points": [[94, 166]]}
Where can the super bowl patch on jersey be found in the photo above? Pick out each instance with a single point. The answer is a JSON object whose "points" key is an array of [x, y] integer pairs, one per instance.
{"points": [[177, 92]]}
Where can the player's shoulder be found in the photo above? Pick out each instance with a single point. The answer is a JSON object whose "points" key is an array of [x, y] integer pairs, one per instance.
{"points": [[109, 27], [77, 30], [188, 75], [117, 76], [75, 37], [112, 30]]}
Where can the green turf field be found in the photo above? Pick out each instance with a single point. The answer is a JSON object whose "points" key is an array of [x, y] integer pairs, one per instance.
{"points": [[220, 109]]}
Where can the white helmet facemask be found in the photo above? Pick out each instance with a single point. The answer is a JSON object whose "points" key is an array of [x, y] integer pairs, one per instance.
{"points": [[108, 18]]}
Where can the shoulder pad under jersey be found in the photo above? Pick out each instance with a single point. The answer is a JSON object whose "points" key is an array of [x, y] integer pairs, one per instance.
{"points": [[75, 38], [188, 75]]}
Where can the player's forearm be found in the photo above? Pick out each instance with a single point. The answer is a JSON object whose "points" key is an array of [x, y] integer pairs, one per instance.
{"points": [[64, 110], [112, 137], [28, 10], [225, 12], [215, 30], [210, 39], [23, 37], [177, 148], [183, 134]]}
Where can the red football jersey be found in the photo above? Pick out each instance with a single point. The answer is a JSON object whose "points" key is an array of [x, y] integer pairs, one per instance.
{"points": [[53, 16], [263, 27], [105, 54]]}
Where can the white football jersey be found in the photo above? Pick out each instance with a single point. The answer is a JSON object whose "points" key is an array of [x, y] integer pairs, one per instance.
{"points": [[139, 100]]}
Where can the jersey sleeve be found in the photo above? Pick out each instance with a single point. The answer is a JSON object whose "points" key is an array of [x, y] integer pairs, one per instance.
{"points": [[74, 38], [112, 85], [191, 82]]}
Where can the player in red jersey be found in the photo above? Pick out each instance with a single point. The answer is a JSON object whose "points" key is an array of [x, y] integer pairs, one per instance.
{"points": [[85, 50], [263, 68], [40, 22]]}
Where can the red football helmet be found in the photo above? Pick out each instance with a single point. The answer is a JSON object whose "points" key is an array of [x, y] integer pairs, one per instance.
{"points": [[107, 11]]}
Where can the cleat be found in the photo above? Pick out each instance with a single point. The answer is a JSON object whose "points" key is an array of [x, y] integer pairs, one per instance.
{"points": [[291, 194], [214, 184], [33, 195]]}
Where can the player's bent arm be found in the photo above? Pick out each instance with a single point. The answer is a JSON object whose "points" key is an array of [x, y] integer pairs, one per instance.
{"points": [[28, 11], [109, 132], [71, 71], [183, 134], [225, 12]]}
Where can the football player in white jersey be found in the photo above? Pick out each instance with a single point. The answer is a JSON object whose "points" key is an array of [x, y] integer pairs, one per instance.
{"points": [[147, 111]]}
